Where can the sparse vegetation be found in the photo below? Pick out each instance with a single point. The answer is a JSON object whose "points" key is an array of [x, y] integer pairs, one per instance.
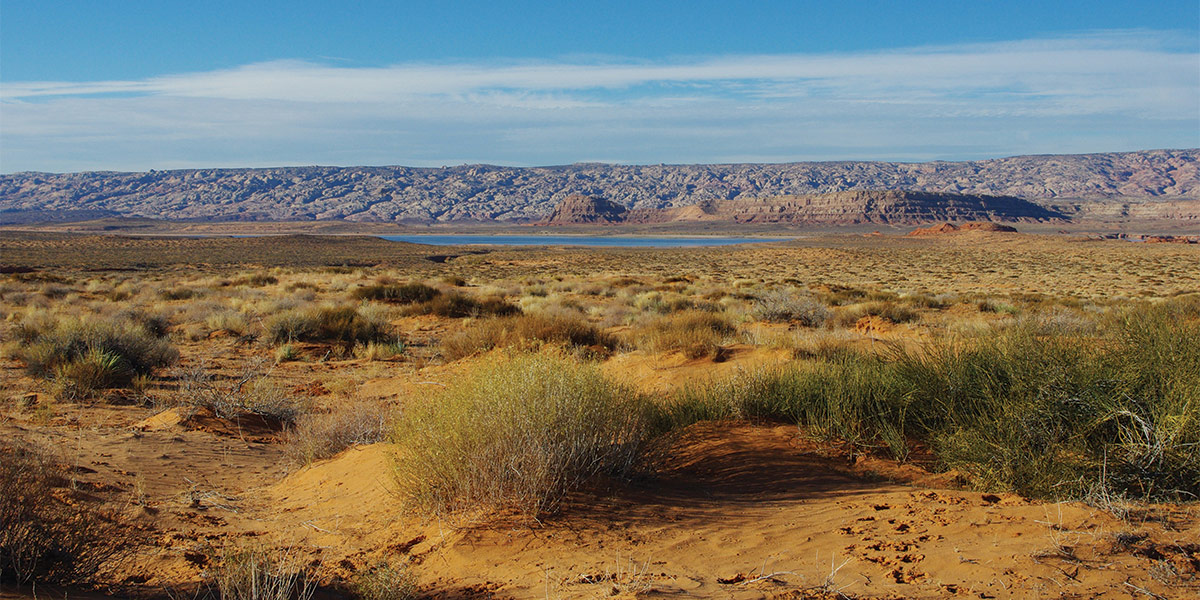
{"points": [[1065, 372]]}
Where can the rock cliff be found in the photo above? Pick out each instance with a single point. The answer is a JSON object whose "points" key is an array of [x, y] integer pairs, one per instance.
{"points": [[489, 193], [856, 207], [578, 209]]}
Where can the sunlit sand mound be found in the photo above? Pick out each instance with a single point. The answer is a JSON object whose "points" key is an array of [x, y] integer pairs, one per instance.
{"points": [[739, 510]]}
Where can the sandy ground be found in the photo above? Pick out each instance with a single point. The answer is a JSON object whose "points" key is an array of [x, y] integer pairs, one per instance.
{"points": [[741, 510]]}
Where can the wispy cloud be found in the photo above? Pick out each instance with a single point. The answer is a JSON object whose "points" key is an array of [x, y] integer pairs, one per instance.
{"points": [[1101, 91]]}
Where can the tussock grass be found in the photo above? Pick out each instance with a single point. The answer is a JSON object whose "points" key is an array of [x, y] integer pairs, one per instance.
{"points": [[525, 332], [181, 293], [851, 397], [1022, 409], [378, 350], [695, 333], [255, 280], [519, 431]]}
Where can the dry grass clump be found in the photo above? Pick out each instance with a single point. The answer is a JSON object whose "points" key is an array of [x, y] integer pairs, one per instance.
{"points": [[384, 581], [378, 350], [255, 280], [318, 436], [346, 325], [181, 293], [806, 343], [841, 295], [887, 309], [783, 306], [250, 392], [526, 332], [519, 431], [994, 305], [661, 303], [230, 321], [86, 354], [42, 538], [1060, 320], [455, 305], [408, 293], [260, 573], [696, 333]]}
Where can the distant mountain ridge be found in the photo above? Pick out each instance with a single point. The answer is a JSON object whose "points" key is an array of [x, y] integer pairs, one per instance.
{"points": [[896, 207], [530, 194]]}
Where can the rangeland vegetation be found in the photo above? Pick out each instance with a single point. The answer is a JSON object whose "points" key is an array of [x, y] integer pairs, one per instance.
{"points": [[359, 416]]}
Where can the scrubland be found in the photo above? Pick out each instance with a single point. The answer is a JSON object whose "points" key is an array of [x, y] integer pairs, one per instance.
{"points": [[848, 416]]}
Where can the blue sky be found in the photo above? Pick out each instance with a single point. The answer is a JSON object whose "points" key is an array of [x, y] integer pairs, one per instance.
{"points": [[137, 85]]}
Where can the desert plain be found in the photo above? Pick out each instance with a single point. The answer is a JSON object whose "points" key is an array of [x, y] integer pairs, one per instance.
{"points": [[971, 414]]}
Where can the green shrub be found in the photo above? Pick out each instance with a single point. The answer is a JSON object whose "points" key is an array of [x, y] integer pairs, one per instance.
{"points": [[519, 431], [408, 293], [91, 352], [523, 331]]}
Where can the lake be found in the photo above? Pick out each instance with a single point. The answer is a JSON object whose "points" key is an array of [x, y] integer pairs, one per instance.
{"points": [[578, 240]]}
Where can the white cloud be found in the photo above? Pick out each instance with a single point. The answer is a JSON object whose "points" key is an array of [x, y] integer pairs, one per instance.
{"points": [[1103, 91]]}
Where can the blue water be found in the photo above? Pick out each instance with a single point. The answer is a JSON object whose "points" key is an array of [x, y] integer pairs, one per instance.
{"points": [[577, 240]]}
